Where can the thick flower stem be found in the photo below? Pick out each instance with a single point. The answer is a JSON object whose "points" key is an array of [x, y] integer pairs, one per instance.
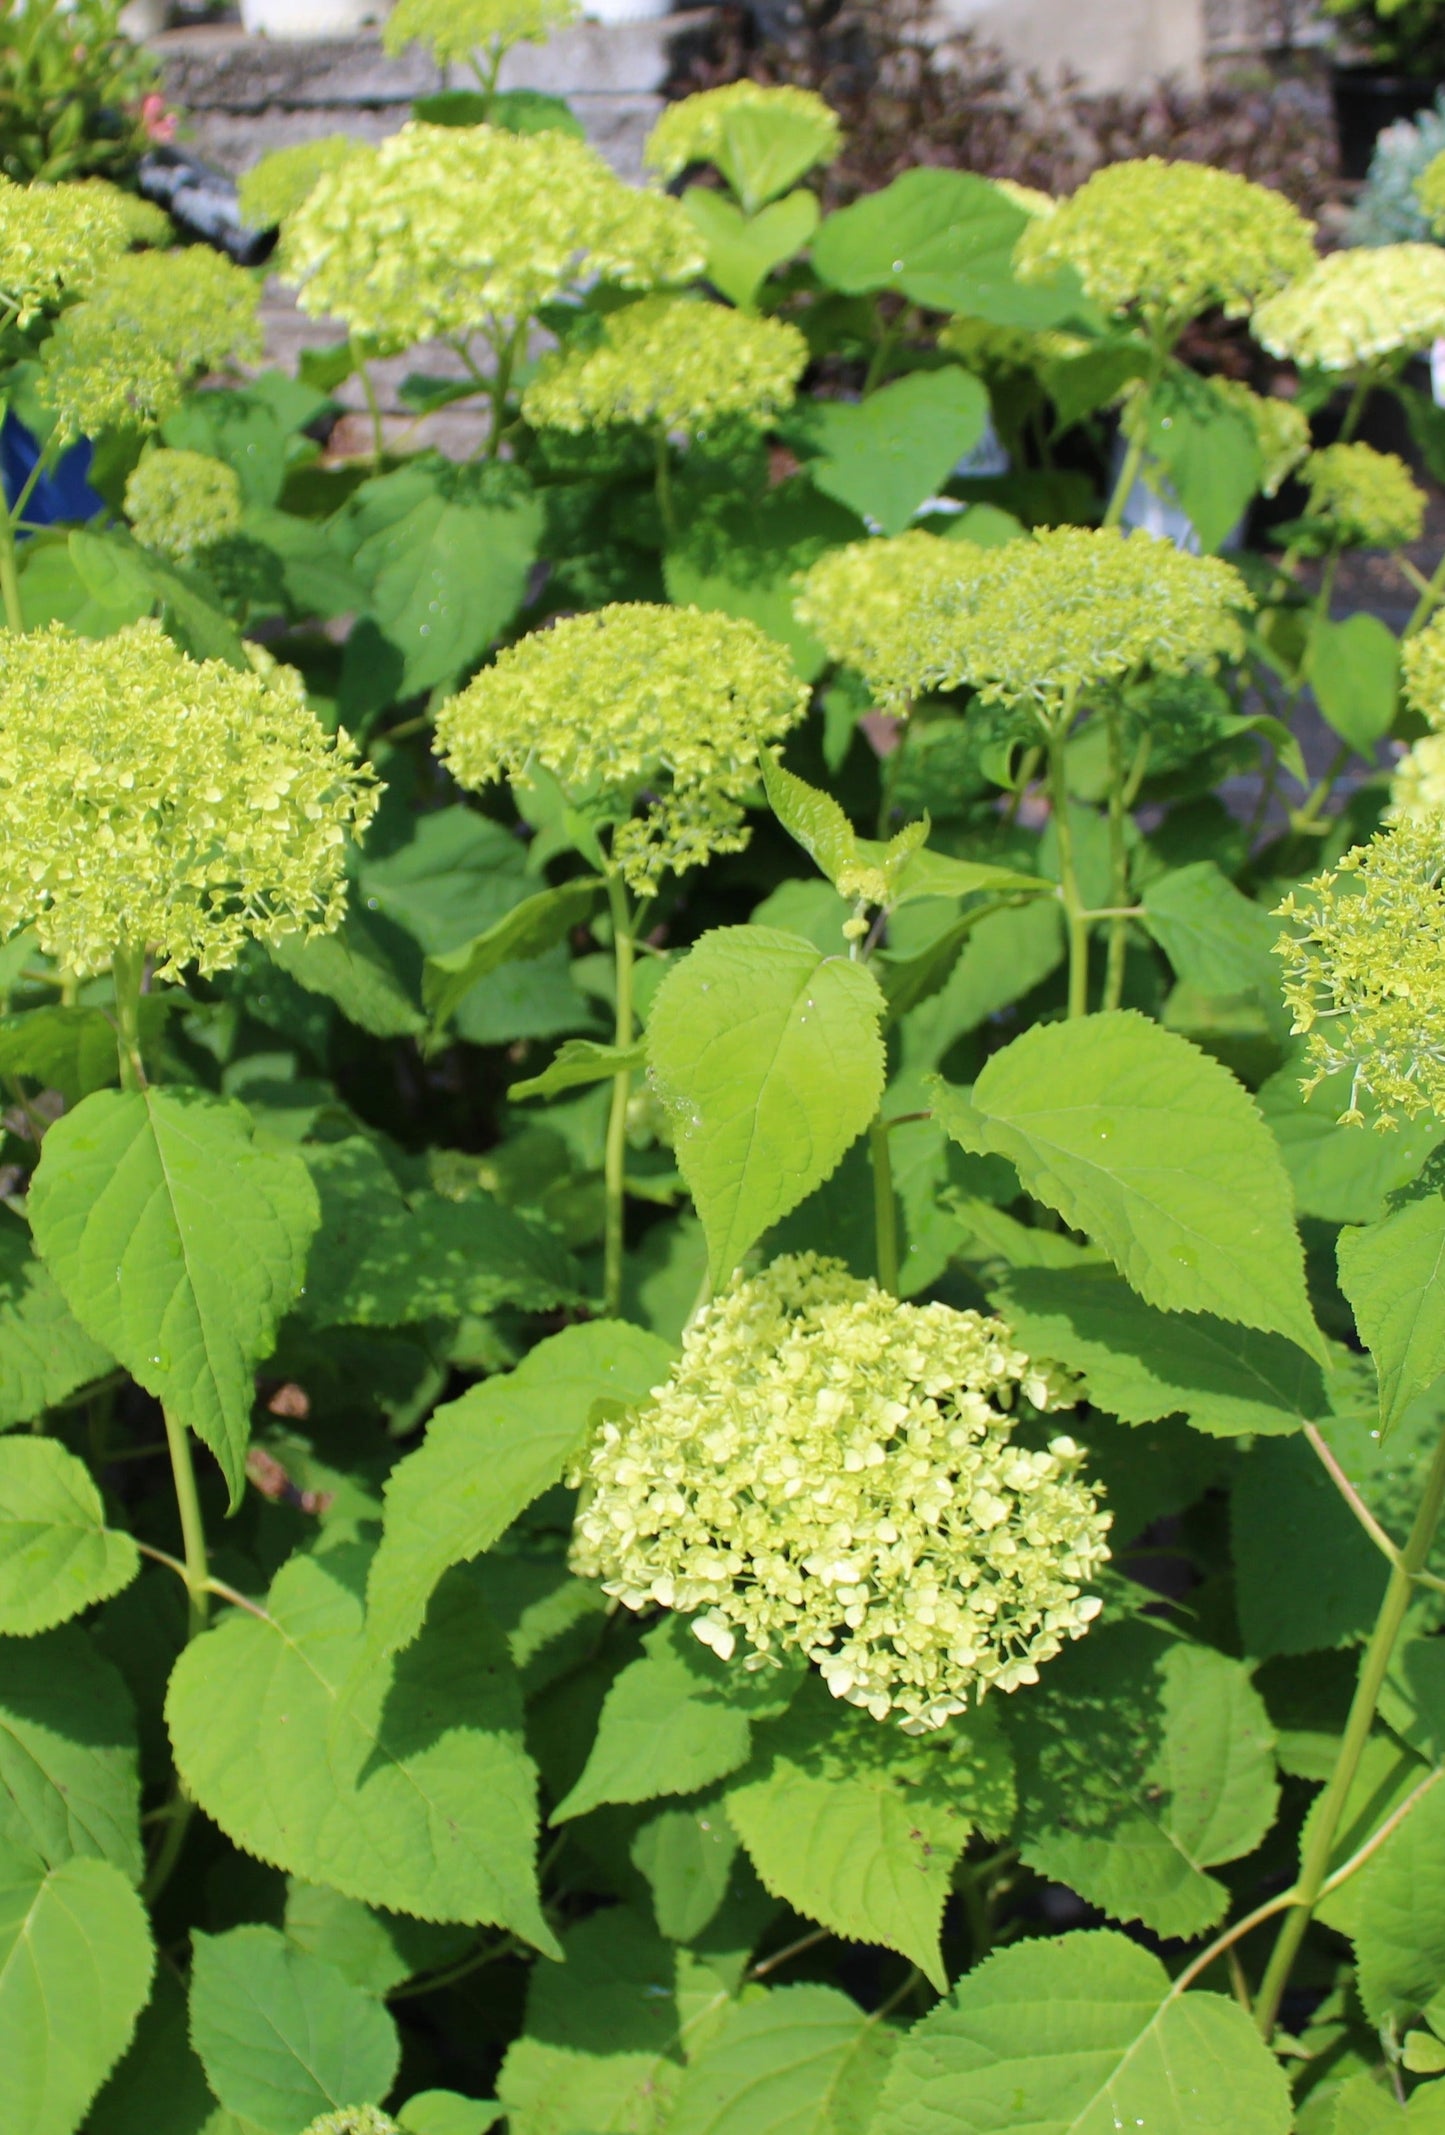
{"points": [[1118, 858], [1315, 1866], [1074, 908], [10, 575], [1128, 476], [128, 974], [180, 1808], [615, 1164], [885, 1206]]}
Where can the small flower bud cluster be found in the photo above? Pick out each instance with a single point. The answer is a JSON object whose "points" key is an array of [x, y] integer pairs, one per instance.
{"points": [[1430, 192], [1417, 791], [831, 1471], [148, 800], [1163, 242], [1422, 663], [151, 323], [1364, 971], [1357, 309], [1002, 351], [666, 707], [142, 221], [283, 181], [673, 362], [355, 2120], [442, 229], [179, 502], [890, 610], [1281, 429], [54, 242], [1369, 499], [694, 130], [452, 30]]}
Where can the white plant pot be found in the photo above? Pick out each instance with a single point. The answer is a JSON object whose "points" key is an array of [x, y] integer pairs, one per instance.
{"points": [[626, 10], [299, 20]]}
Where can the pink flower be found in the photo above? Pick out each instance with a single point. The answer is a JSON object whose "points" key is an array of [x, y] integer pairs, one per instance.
{"points": [[160, 124]]}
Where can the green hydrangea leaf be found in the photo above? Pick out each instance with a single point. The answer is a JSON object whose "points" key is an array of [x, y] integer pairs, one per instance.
{"points": [[489, 1454], [769, 1058], [1143, 1763], [1216, 938], [1080, 2036], [372, 1949], [351, 968], [1391, 1272], [886, 455], [69, 1772], [766, 147], [447, 2113], [380, 1261], [580, 1062], [1153, 1148], [284, 2036], [1339, 1173], [319, 1757], [57, 1555], [531, 928], [686, 1856], [1362, 2106], [75, 1970], [160, 2087], [672, 1723], [1141, 1364], [804, 2061], [743, 557], [858, 1827], [742, 250], [179, 1242], [1396, 1913], [554, 2090], [45, 1354]]}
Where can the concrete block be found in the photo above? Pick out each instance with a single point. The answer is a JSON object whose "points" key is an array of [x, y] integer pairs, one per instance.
{"points": [[222, 69], [601, 58]]}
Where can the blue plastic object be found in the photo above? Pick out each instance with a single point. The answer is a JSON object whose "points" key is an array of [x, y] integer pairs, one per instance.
{"points": [[62, 494]]}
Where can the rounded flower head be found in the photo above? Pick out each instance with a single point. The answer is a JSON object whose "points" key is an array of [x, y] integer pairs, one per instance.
{"points": [[698, 130], [441, 228], [281, 182], [1357, 309], [628, 699], [890, 610], [1417, 790], [143, 222], [152, 323], [1423, 664], [1164, 242], [831, 1471], [1281, 429], [54, 241], [1071, 610], [1364, 970], [452, 30], [1368, 499], [1430, 192], [1001, 351], [151, 801], [179, 502], [672, 361]]}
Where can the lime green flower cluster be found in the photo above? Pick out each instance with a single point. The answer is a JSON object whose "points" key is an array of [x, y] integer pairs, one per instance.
{"points": [[1422, 662], [1368, 498], [150, 801], [355, 2120], [890, 610], [998, 351], [442, 230], [1161, 243], [1358, 310], [628, 700], [143, 222], [1430, 192], [671, 361], [452, 30], [1364, 971], [829, 1470], [148, 326], [54, 241], [281, 182], [1281, 429], [1417, 791], [694, 130], [1028, 197], [179, 502]]}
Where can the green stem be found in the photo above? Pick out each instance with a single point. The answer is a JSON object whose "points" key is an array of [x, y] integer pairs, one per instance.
{"points": [[1432, 591], [1074, 908], [1305, 818], [666, 501], [180, 1809], [615, 1162], [885, 1207], [128, 974], [10, 575], [501, 386], [1315, 1866], [1118, 859], [1128, 476]]}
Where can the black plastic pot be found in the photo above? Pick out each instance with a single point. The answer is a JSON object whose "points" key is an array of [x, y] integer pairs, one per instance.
{"points": [[1366, 101]]}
